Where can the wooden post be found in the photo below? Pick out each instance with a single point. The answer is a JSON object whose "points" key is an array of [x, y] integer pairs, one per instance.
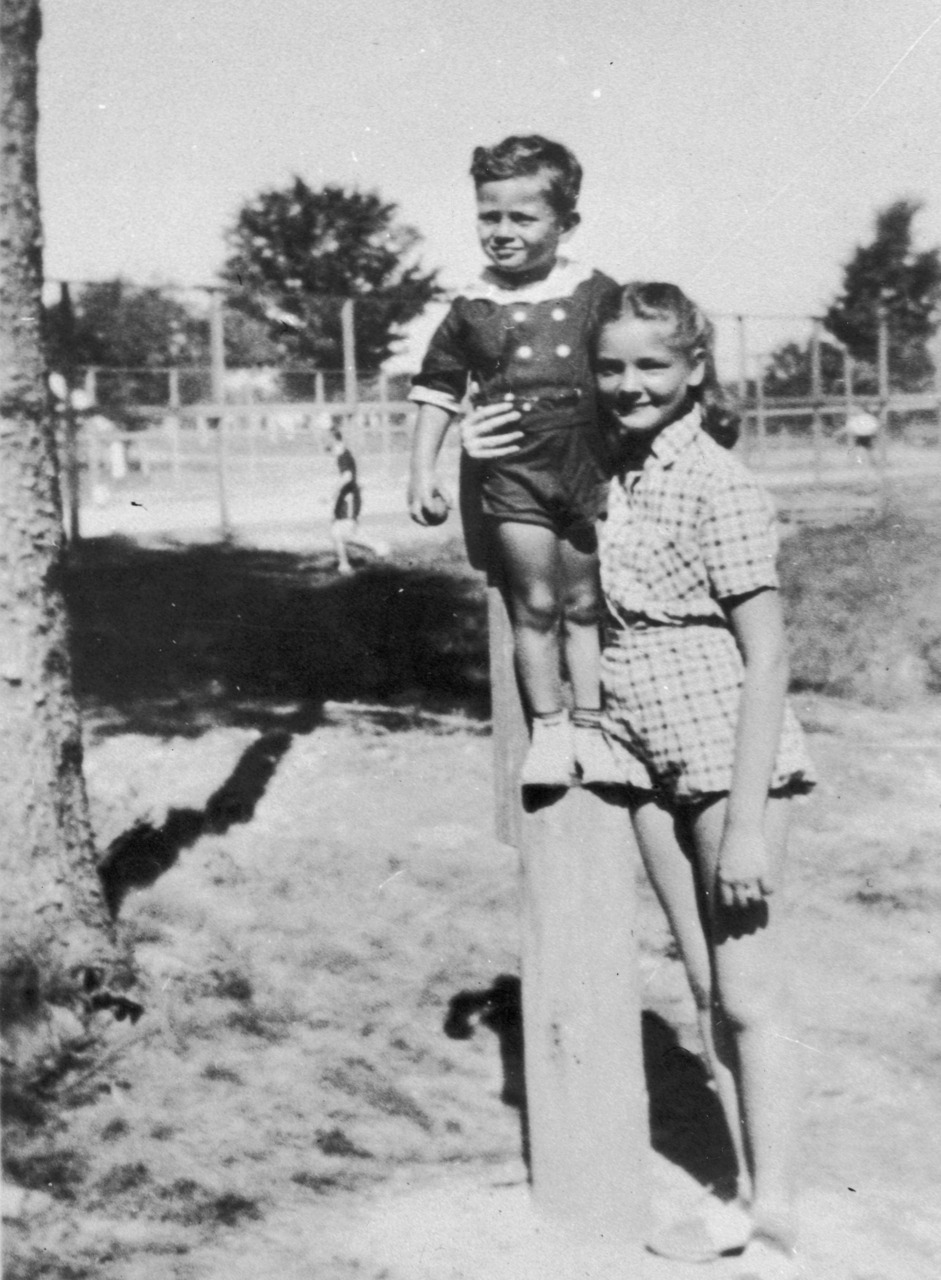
{"points": [[883, 365], [760, 410], [173, 426], [350, 386], [848, 378], [385, 427], [217, 356], [585, 1089], [743, 381], [882, 439], [816, 393]]}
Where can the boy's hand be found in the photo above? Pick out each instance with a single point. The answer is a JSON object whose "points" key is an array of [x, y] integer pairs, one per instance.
{"points": [[427, 505]]}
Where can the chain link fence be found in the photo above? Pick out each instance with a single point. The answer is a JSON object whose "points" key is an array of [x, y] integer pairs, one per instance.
{"points": [[155, 438]]}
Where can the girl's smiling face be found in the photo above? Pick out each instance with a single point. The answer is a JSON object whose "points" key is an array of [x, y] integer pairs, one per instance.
{"points": [[519, 230], [642, 379]]}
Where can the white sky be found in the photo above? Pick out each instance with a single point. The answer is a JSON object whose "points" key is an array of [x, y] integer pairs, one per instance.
{"points": [[740, 147]]}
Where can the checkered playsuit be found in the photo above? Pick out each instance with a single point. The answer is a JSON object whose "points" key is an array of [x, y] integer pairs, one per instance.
{"points": [[691, 529]]}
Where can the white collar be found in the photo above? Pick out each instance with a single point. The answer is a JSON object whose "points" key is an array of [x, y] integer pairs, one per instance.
{"points": [[561, 282]]}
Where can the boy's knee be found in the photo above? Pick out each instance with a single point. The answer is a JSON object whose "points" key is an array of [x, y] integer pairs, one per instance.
{"points": [[538, 609], [585, 613], [583, 609]]}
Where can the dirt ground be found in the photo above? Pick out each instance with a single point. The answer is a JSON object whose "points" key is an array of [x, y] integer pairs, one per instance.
{"points": [[296, 801]]}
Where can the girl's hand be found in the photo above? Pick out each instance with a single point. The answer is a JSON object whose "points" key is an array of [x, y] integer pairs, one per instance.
{"points": [[744, 876], [481, 435]]}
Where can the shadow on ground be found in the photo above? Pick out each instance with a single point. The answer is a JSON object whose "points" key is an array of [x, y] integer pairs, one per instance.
{"points": [[687, 1126], [140, 855], [176, 639]]}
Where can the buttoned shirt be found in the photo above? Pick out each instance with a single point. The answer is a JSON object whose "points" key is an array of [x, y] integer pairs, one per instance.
{"points": [[693, 527], [529, 346]]}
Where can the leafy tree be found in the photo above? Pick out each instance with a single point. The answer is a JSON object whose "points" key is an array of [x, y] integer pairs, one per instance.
{"points": [[297, 253], [788, 372], [115, 324], [59, 948], [890, 273]]}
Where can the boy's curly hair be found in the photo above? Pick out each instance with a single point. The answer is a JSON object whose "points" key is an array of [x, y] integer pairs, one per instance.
{"points": [[693, 332], [520, 156]]}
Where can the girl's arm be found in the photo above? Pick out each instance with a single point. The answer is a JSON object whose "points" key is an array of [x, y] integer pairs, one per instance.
{"points": [[491, 432], [744, 872]]}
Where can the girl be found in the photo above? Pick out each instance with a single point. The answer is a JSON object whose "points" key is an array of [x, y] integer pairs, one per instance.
{"points": [[521, 338], [694, 674]]}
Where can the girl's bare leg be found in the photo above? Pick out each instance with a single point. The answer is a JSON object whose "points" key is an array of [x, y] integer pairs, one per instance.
{"points": [[531, 563], [750, 970], [665, 846]]}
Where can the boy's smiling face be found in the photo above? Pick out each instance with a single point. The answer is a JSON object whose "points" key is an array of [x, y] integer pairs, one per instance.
{"points": [[518, 228]]}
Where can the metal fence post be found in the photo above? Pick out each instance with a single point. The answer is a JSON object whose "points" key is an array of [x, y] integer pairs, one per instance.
{"points": [[816, 394], [217, 349]]}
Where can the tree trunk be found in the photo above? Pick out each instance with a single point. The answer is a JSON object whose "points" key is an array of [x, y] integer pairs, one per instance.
{"points": [[59, 946]]}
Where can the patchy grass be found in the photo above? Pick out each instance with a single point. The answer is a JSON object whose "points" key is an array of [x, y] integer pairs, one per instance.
{"points": [[319, 899], [864, 609]]}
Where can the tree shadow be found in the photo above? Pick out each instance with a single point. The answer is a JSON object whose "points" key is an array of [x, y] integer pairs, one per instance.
{"points": [[687, 1125], [175, 639], [138, 857]]}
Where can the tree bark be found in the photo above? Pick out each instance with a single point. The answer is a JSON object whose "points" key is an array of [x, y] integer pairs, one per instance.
{"points": [[59, 946]]}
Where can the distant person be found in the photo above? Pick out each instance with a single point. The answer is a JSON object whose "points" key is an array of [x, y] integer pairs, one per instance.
{"points": [[520, 337], [694, 672], [347, 507], [862, 427]]}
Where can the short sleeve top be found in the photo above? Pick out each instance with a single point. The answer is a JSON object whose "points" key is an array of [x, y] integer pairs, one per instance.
{"points": [[348, 502], [529, 346], [693, 527]]}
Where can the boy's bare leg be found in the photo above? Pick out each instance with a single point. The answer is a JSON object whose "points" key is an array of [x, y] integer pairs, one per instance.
{"points": [[339, 545], [530, 556], [581, 615], [531, 562], [359, 538], [581, 639]]}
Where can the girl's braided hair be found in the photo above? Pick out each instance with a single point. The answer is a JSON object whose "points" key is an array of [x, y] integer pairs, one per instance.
{"points": [[693, 332]]}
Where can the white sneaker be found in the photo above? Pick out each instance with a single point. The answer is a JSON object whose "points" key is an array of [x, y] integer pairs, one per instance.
{"points": [[550, 761], [595, 759]]}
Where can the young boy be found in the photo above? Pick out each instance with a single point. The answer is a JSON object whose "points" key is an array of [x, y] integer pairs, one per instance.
{"points": [[519, 341], [347, 505]]}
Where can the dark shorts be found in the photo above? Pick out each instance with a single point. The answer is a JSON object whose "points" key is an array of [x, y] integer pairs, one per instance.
{"points": [[349, 503], [558, 478]]}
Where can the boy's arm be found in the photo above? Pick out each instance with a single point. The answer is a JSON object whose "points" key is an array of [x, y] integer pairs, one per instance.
{"points": [[426, 503]]}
